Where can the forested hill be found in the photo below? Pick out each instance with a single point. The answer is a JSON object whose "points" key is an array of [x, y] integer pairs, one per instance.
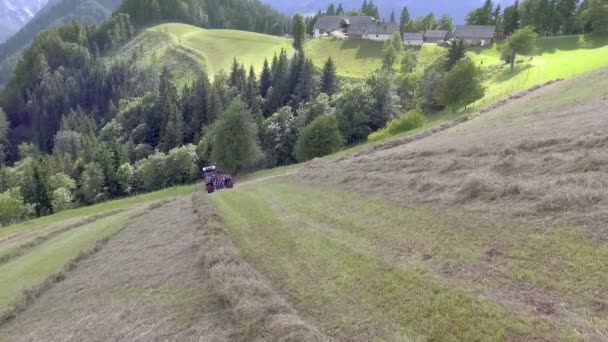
{"points": [[234, 14], [56, 13], [64, 71]]}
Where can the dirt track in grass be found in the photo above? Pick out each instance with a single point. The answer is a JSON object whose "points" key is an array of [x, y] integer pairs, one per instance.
{"points": [[145, 284]]}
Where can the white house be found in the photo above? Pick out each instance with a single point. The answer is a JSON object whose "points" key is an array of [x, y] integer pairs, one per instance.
{"points": [[413, 38], [380, 31]]}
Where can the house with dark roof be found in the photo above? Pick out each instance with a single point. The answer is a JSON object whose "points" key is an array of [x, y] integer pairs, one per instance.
{"points": [[435, 36], [354, 27], [413, 38], [475, 34], [380, 31], [351, 26]]}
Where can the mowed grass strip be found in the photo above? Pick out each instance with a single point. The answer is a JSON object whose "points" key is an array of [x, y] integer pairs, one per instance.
{"points": [[32, 268], [99, 209], [335, 255]]}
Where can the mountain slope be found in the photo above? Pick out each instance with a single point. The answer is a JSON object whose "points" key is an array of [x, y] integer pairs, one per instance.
{"points": [[14, 14], [54, 14]]}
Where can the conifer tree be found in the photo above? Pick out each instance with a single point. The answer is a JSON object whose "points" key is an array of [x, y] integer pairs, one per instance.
{"points": [[307, 85], [299, 32], [455, 54], [340, 10], [393, 19], [174, 130], [406, 20], [265, 79], [331, 10], [200, 105], [329, 80], [252, 90]]}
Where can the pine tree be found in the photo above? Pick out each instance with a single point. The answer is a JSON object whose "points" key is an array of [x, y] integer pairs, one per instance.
{"points": [[331, 10], [200, 105], [252, 90], [299, 32], [265, 80], [393, 19], [329, 80], [174, 130], [340, 10], [405, 20], [511, 18], [4, 125], [455, 54], [167, 104], [307, 85], [40, 188]]}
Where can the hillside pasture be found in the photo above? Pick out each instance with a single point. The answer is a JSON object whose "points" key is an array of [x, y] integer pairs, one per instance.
{"points": [[188, 50], [220, 47], [492, 229], [553, 58]]}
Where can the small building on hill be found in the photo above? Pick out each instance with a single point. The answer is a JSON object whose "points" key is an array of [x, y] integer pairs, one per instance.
{"points": [[354, 27], [380, 31], [435, 36], [413, 38], [475, 34], [351, 26]]}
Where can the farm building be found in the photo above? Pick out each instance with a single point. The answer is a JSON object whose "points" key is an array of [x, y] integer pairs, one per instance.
{"points": [[475, 34], [380, 31], [354, 27], [435, 36], [413, 38]]}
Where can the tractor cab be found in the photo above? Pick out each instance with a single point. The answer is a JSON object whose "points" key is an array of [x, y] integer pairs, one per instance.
{"points": [[215, 180]]}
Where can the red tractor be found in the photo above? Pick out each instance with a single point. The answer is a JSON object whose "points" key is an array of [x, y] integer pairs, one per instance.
{"points": [[215, 180]]}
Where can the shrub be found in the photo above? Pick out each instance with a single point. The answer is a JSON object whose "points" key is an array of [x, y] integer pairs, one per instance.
{"points": [[92, 184], [61, 180], [12, 207], [126, 178], [152, 172], [182, 165], [61, 200], [407, 122], [320, 138]]}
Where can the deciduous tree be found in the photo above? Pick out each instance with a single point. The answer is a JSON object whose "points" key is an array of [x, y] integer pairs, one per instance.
{"points": [[461, 86]]}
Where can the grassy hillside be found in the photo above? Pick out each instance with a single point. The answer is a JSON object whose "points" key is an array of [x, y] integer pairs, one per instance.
{"points": [[32, 251], [358, 58], [492, 230], [188, 49], [554, 58]]}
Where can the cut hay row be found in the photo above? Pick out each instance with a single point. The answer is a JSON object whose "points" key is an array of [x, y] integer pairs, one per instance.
{"points": [[29, 295], [11, 253], [260, 311]]}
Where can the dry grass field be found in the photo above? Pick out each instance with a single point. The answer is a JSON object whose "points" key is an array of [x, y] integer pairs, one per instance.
{"points": [[492, 228]]}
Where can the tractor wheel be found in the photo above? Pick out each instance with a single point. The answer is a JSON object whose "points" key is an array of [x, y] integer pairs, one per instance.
{"points": [[210, 188], [229, 184]]}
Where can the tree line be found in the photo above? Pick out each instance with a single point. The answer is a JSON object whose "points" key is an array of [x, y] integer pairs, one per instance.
{"points": [[546, 17]]}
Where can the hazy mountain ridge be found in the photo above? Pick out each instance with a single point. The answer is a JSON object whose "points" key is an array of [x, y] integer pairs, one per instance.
{"points": [[457, 9], [14, 14], [55, 13]]}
